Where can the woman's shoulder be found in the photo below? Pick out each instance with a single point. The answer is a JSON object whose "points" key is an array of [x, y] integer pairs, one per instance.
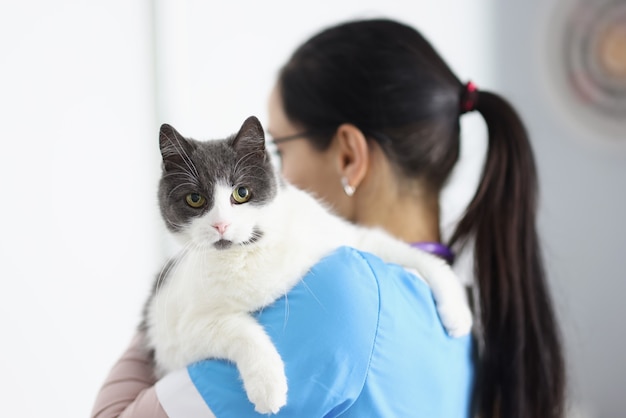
{"points": [[354, 313], [345, 271], [346, 299], [349, 281], [323, 305], [362, 275], [412, 364]]}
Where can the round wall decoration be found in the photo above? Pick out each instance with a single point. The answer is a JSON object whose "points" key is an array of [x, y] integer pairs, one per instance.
{"points": [[587, 59]]}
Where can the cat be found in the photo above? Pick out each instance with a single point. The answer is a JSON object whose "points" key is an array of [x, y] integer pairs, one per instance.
{"points": [[248, 237]]}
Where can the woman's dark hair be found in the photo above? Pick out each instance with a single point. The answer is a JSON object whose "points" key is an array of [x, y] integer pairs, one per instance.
{"points": [[385, 78]]}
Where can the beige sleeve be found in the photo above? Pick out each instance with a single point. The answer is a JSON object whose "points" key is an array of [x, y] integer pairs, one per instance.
{"points": [[128, 391]]}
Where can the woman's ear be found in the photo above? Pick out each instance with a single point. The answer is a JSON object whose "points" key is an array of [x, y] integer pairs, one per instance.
{"points": [[352, 154]]}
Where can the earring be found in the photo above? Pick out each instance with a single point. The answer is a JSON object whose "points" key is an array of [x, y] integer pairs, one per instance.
{"points": [[349, 190]]}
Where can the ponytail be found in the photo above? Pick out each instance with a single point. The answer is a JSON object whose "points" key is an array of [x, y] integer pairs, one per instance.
{"points": [[521, 367]]}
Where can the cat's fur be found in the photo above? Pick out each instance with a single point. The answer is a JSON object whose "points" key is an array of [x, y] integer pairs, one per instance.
{"points": [[238, 258]]}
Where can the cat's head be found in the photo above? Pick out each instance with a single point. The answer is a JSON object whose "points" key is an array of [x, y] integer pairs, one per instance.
{"points": [[216, 193]]}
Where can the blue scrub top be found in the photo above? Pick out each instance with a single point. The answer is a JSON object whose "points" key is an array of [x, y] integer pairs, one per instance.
{"points": [[359, 338]]}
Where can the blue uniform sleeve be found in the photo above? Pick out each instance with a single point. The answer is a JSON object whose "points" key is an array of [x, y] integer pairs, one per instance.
{"points": [[416, 369]]}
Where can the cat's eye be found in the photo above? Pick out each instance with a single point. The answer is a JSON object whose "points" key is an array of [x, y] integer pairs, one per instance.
{"points": [[195, 200], [241, 194]]}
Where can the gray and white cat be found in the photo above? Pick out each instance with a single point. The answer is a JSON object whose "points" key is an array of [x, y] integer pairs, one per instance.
{"points": [[248, 237]]}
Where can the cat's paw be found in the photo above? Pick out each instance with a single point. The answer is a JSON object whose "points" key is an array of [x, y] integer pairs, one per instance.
{"points": [[267, 388], [456, 318]]}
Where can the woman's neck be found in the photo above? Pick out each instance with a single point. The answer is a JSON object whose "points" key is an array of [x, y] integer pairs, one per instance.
{"points": [[410, 216], [406, 219], [405, 208]]}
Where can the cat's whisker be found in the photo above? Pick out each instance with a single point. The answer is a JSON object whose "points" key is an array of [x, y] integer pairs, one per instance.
{"points": [[177, 225], [243, 159], [286, 310], [161, 304], [175, 265], [163, 274], [192, 185], [183, 174], [252, 170], [184, 177], [185, 252], [305, 284], [178, 148], [247, 170]]}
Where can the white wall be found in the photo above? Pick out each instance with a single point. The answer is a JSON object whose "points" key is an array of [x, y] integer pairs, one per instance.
{"points": [[80, 106], [77, 214]]}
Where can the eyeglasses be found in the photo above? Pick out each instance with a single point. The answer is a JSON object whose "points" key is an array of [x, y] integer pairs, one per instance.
{"points": [[298, 135], [378, 136]]}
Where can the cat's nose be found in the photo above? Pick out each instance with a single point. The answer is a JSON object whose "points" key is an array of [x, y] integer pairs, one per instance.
{"points": [[221, 227]]}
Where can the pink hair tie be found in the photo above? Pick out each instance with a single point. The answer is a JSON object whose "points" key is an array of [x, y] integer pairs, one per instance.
{"points": [[469, 97]]}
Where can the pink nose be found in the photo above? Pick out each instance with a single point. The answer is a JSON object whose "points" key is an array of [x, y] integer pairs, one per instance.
{"points": [[221, 227]]}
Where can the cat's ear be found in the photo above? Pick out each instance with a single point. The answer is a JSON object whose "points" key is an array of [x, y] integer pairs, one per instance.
{"points": [[175, 149], [251, 138]]}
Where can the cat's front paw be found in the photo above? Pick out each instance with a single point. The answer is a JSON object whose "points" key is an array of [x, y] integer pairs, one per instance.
{"points": [[267, 388], [456, 318]]}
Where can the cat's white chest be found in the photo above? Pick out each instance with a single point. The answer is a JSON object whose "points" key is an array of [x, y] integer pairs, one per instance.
{"points": [[175, 303], [202, 293]]}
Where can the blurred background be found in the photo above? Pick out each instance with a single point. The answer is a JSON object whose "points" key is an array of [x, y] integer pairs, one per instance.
{"points": [[84, 87]]}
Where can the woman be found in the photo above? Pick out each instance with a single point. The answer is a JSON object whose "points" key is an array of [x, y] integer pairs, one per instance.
{"points": [[366, 116], [383, 80]]}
